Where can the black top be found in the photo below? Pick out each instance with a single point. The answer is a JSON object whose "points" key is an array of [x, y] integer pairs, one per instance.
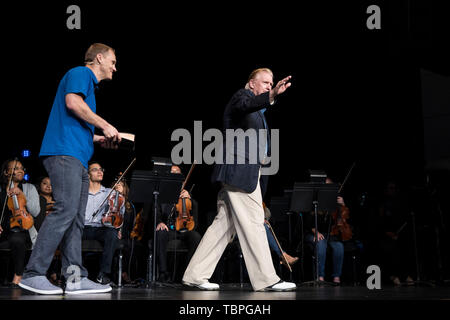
{"points": [[323, 222]]}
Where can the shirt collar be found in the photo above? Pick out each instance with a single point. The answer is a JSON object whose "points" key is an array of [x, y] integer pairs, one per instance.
{"points": [[93, 76], [102, 190]]}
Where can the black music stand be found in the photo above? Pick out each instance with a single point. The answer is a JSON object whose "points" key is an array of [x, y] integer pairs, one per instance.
{"points": [[314, 196], [159, 185]]}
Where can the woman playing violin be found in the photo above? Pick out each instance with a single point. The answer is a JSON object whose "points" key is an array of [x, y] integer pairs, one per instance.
{"points": [[126, 229], [325, 222], [18, 239]]}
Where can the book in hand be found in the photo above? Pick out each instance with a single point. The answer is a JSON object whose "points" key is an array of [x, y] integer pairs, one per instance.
{"points": [[127, 142]]}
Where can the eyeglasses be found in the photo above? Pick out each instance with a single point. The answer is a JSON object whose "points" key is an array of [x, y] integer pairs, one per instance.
{"points": [[97, 169]]}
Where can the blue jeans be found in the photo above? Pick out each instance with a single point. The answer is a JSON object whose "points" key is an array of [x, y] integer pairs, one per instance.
{"points": [[272, 242], [64, 226], [337, 250]]}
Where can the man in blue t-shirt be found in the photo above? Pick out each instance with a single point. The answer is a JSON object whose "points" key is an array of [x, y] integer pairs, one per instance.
{"points": [[66, 148]]}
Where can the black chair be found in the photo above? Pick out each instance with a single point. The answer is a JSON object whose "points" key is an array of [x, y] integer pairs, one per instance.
{"points": [[352, 252], [176, 255], [96, 247]]}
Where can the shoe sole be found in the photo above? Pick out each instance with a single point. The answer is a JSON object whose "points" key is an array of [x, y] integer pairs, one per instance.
{"points": [[89, 291], [56, 291], [279, 290], [199, 287]]}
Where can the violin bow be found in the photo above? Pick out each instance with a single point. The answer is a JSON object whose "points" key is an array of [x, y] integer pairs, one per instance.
{"points": [[9, 184], [189, 174], [348, 174], [279, 246], [112, 189]]}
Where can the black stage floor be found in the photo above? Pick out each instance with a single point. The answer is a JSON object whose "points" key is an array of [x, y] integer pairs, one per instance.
{"points": [[238, 292], [234, 301]]}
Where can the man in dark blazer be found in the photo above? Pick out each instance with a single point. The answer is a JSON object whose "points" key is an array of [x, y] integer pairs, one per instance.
{"points": [[239, 202]]}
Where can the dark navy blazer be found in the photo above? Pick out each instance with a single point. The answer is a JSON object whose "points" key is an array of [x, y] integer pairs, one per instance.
{"points": [[243, 111]]}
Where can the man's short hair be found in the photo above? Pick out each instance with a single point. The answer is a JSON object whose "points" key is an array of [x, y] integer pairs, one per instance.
{"points": [[90, 163], [94, 50]]}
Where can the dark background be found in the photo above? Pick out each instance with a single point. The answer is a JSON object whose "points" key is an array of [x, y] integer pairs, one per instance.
{"points": [[356, 94]]}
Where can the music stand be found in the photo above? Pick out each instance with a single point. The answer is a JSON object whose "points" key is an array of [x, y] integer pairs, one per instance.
{"points": [[314, 196], [159, 185]]}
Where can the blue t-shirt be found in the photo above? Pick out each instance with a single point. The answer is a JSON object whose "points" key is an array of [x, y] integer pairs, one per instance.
{"points": [[66, 134]]}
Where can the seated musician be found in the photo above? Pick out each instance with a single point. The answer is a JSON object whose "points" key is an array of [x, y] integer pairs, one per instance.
{"points": [[94, 228], [44, 188], [325, 222], [165, 233], [272, 242], [18, 238], [126, 230], [393, 235]]}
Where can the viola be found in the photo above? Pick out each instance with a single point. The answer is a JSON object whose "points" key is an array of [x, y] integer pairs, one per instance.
{"points": [[20, 217], [341, 228], [114, 218], [184, 220]]}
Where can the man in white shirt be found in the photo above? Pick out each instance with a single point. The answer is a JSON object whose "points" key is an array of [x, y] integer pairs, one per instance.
{"points": [[93, 226]]}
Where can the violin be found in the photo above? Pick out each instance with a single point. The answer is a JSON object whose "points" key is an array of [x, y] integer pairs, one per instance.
{"points": [[114, 218], [184, 220], [341, 228], [20, 218]]}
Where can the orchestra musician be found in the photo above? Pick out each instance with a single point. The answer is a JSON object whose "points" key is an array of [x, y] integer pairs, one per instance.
{"points": [[67, 146], [288, 259], [44, 188], [18, 238], [325, 222], [130, 216], [239, 203], [164, 232], [94, 228], [393, 234]]}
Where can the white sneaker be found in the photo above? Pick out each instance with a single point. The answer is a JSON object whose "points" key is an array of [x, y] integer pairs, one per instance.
{"points": [[204, 286], [281, 286]]}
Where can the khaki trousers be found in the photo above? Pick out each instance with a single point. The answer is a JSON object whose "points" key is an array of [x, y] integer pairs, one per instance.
{"points": [[242, 213]]}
